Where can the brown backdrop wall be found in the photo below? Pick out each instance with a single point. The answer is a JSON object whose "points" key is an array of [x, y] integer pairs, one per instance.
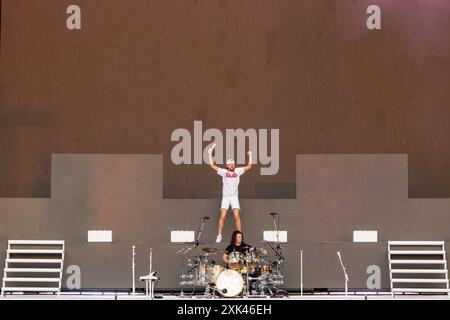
{"points": [[140, 69]]}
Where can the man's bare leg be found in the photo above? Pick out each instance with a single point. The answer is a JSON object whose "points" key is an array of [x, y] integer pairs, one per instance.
{"points": [[223, 214], [237, 219]]}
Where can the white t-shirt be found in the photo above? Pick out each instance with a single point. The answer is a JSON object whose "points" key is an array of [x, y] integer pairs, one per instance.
{"points": [[230, 181]]}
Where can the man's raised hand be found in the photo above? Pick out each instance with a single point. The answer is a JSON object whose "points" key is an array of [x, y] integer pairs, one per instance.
{"points": [[211, 161], [250, 161]]}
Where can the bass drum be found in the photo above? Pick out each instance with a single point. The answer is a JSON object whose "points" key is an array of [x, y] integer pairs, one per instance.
{"points": [[230, 283]]}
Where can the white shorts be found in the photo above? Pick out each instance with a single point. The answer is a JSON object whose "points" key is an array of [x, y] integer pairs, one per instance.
{"points": [[230, 201]]}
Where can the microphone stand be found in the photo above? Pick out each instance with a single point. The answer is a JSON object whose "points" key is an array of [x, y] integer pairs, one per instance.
{"points": [[301, 273], [150, 274], [200, 231], [132, 271], [277, 232], [196, 243], [278, 254], [345, 273]]}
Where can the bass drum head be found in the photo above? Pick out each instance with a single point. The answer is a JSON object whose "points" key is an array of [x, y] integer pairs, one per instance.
{"points": [[230, 283]]}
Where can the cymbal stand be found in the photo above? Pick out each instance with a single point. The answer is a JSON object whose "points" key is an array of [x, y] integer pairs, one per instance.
{"points": [[184, 251], [247, 289]]}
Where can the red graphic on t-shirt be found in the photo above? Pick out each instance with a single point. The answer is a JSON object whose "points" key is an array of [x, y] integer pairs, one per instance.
{"points": [[231, 175]]}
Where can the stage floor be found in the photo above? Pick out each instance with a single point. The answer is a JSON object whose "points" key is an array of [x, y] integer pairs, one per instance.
{"points": [[159, 297]]}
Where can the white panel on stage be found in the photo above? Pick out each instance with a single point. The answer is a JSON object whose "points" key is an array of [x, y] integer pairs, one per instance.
{"points": [[182, 236], [99, 236], [271, 236], [365, 236]]}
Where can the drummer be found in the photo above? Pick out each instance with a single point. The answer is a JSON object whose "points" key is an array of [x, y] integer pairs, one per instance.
{"points": [[236, 244]]}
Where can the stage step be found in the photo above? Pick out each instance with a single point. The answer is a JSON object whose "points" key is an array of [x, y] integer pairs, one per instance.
{"points": [[37, 256], [34, 260], [34, 251], [419, 271], [415, 280], [416, 243], [31, 279], [48, 270], [423, 252], [415, 252], [36, 242], [393, 261]]}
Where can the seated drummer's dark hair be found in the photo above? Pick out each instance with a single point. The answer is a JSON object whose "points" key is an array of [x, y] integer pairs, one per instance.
{"points": [[233, 237]]}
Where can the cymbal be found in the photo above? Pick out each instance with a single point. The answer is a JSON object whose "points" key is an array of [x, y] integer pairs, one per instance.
{"points": [[203, 255], [206, 254], [210, 250], [261, 251], [197, 257]]}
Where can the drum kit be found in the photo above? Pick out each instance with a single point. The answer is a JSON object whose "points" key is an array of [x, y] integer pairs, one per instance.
{"points": [[250, 273], [253, 272]]}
